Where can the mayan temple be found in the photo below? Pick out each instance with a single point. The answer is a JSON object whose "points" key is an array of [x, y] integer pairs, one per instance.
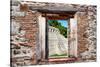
{"points": [[58, 43]]}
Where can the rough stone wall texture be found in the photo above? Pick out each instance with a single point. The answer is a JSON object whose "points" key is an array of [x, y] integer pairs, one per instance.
{"points": [[24, 36], [86, 18], [24, 33]]}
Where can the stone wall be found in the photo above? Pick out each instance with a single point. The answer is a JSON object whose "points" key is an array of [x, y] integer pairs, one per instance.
{"points": [[58, 44], [86, 18], [24, 36], [73, 38], [25, 33]]}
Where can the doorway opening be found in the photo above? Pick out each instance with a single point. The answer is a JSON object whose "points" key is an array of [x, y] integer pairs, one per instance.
{"points": [[58, 37]]}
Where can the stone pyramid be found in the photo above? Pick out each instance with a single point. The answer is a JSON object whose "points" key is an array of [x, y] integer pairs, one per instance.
{"points": [[58, 44]]}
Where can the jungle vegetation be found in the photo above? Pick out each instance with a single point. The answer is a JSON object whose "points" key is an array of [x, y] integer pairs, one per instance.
{"points": [[56, 24]]}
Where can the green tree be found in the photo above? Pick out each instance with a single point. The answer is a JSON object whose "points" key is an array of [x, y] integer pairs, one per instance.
{"points": [[56, 24]]}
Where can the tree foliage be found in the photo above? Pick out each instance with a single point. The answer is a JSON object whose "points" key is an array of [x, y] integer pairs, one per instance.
{"points": [[56, 24]]}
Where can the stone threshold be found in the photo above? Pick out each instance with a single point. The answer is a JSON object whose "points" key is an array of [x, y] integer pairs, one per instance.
{"points": [[62, 59]]}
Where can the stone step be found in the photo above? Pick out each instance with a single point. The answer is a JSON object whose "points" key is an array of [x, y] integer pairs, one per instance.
{"points": [[62, 59]]}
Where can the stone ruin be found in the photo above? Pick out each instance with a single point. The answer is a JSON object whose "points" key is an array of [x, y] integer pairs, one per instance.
{"points": [[58, 44], [25, 31]]}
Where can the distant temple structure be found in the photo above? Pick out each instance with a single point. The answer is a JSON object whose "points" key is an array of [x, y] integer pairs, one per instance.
{"points": [[58, 44]]}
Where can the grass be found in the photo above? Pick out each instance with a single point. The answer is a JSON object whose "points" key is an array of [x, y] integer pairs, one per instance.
{"points": [[58, 56]]}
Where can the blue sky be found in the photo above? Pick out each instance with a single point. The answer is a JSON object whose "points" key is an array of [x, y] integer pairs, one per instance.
{"points": [[63, 22]]}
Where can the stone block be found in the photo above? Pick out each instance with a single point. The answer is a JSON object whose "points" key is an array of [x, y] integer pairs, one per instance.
{"points": [[24, 7]]}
